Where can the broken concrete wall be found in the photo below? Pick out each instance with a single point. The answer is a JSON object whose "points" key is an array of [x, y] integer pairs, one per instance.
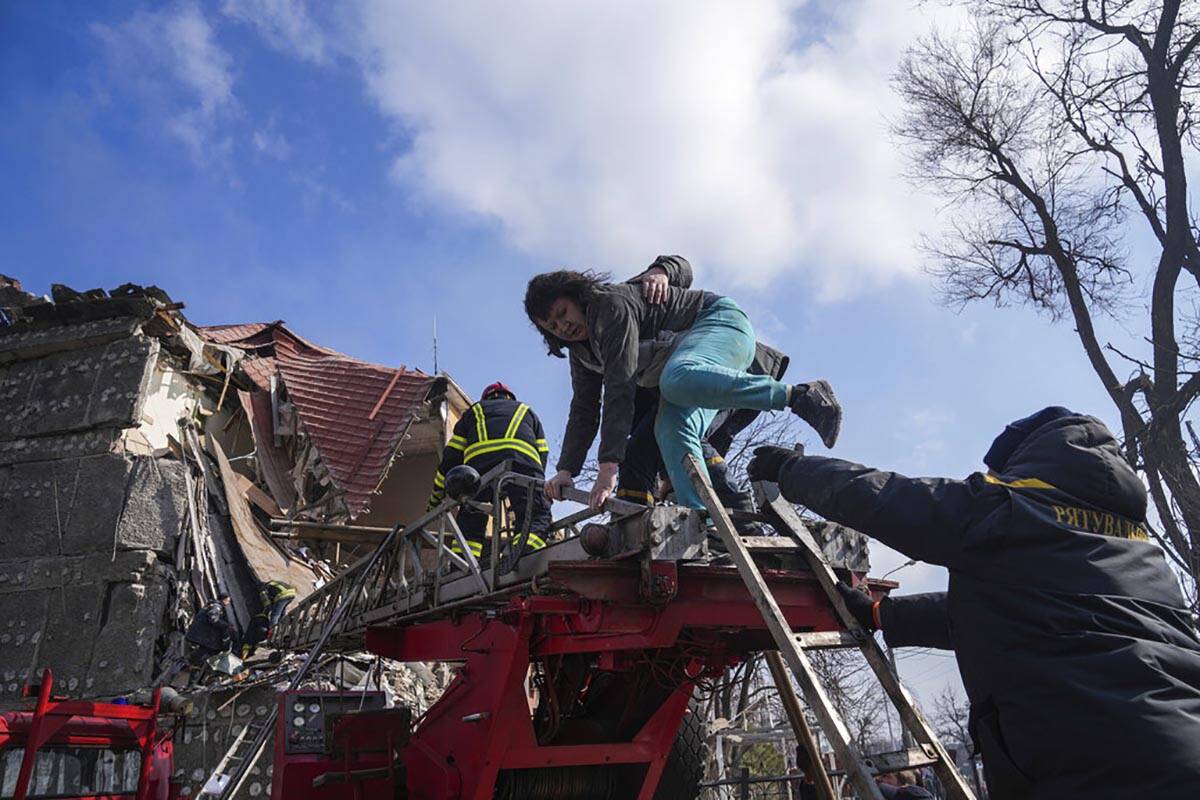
{"points": [[92, 620], [95, 504], [76, 390], [86, 533]]}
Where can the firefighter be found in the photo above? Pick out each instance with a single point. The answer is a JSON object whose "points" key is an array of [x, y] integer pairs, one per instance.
{"points": [[1076, 648], [209, 633], [496, 429], [273, 597]]}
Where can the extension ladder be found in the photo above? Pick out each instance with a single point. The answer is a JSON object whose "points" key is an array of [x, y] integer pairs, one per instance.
{"points": [[247, 748], [794, 536]]}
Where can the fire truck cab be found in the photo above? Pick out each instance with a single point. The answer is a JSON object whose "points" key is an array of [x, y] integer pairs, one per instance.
{"points": [[84, 750]]}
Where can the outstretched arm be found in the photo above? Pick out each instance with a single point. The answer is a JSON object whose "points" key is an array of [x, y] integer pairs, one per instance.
{"points": [[677, 269], [666, 271], [916, 620], [924, 518], [583, 419]]}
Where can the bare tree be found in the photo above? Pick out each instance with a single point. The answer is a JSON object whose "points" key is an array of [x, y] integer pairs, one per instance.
{"points": [[951, 713], [856, 694], [1057, 131]]}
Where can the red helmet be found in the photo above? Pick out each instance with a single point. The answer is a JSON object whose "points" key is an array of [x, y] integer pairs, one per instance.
{"points": [[498, 388]]}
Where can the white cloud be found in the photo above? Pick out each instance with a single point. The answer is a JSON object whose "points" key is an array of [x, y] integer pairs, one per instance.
{"points": [[158, 51], [271, 142], [285, 24], [603, 134]]}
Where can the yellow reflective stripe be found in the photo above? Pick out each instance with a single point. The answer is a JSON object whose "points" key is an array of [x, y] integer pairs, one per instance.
{"points": [[476, 547], [1020, 483], [515, 423], [712, 462], [542, 446], [496, 445], [282, 590], [439, 480], [535, 541], [633, 494], [480, 423], [457, 443]]}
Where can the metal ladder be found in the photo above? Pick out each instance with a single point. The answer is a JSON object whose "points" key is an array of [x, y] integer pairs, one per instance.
{"points": [[246, 749], [795, 537], [239, 752]]}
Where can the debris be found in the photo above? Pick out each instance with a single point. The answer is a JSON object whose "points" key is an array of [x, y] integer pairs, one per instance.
{"points": [[171, 451]]}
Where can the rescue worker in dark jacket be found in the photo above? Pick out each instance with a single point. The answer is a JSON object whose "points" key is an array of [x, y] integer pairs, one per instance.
{"points": [[495, 429], [273, 599], [209, 633], [1075, 645]]}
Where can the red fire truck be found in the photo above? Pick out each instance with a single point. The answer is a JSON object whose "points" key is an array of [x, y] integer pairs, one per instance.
{"points": [[84, 750]]}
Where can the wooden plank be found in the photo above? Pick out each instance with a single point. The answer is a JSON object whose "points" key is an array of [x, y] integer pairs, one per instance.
{"points": [[912, 758], [831, 722], [787, 520], [770, 544], [259, 497], [826, 640], [262, 556], [791, 704]]}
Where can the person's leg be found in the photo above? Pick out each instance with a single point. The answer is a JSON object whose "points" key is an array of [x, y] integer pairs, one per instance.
{"points": [[639, 470], [278, 608], [706, 373], [678, 430], [531, 513], [473, 524], [708, 367], [730, 496]]}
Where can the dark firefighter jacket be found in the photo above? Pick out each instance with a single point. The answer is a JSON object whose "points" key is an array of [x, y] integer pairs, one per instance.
{"points": [[489, 432], [629, 343], [1072, 637], [210, 629]]}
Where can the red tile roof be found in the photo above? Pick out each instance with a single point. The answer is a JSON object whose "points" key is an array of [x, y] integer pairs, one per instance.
{"points": [[227, 334], [354, 412]]}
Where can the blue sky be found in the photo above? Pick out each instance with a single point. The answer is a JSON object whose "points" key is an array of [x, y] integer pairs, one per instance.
{"points": [[359, 175]]}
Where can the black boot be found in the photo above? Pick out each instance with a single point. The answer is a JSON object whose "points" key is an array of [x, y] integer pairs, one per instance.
{"points": [[815, 404]]}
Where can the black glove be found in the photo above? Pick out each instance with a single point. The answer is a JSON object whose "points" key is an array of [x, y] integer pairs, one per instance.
{"points": [[767, 462], [859, 604]]}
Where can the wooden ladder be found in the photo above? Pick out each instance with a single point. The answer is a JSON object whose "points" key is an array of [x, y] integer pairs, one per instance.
{"points": [[794, 536]]}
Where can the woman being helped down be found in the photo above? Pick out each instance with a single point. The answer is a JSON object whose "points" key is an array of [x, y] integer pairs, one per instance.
{"points": [[695, 346]]}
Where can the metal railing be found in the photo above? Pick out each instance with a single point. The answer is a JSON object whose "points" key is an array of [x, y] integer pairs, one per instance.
{"points": [[400, 582]]}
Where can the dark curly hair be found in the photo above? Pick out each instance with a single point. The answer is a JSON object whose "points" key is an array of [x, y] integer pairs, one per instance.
{"points": [[544, 289]]}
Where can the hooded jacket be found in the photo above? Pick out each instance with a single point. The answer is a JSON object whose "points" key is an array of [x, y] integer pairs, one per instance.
{"points": [[1075, 646], [628, 346]]}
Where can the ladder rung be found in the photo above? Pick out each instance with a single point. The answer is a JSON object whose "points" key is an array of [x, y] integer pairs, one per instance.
{"points": [[826, 640], [769, 544], [912, 758]]}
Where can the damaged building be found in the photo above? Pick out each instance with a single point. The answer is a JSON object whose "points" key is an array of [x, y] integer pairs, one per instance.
{"points": [[148, 465]]}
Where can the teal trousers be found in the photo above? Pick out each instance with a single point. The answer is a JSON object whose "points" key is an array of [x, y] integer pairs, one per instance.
{"points": [[707, 373]]}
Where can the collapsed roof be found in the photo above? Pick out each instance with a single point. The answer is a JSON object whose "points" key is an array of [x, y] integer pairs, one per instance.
{"points": [[355, 413]]}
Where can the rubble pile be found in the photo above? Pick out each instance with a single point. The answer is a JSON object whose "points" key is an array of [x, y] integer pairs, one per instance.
{"points": [[148, 465]]}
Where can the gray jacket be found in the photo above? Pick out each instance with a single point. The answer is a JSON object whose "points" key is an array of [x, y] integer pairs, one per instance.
{"points": [[629, 343]]}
